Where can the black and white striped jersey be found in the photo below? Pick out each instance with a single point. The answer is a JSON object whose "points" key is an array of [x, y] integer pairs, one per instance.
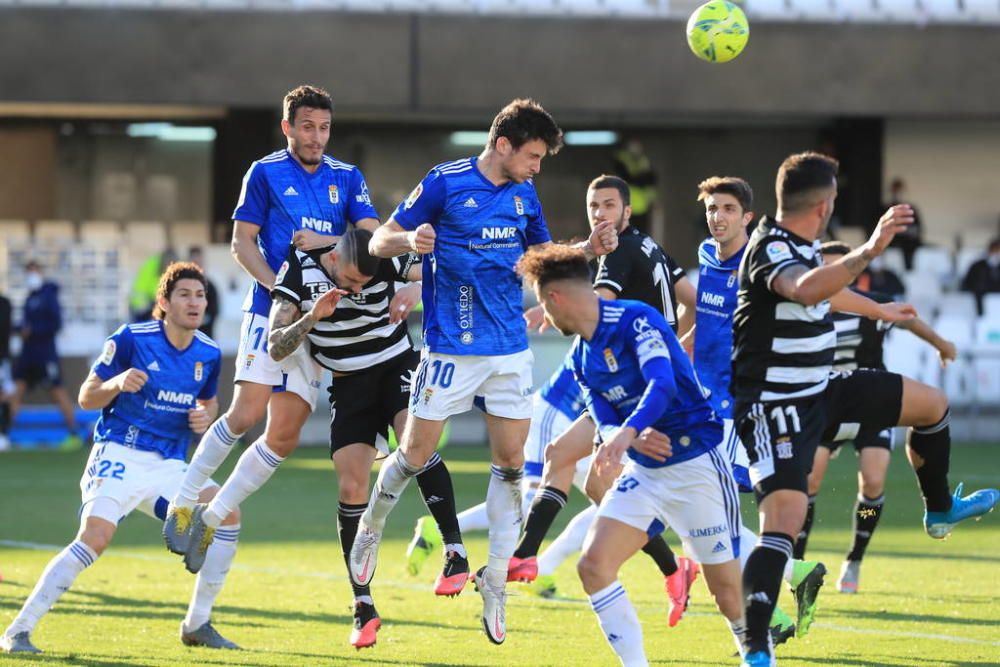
{"points": [[781, 349], [640, 270], [859, 339], [358, 335]]}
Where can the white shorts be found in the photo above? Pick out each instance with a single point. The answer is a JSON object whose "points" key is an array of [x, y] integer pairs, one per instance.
{"points": [[547, 424], [133, 478], [697, 498], [298, 373], [451, 384]]}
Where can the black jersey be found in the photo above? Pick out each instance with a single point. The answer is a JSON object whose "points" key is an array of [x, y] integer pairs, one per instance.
{"points": [[781, 349], [859, 339], [358, 335], [640, 270]]}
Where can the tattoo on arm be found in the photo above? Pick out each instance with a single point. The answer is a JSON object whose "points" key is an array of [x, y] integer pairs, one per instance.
{"points": [[856, 262], [587, 248], [288, 330]]}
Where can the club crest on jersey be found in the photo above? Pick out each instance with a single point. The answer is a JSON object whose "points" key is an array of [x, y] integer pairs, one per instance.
{"points": [[414, 196], [609, 359], [199, 371], [334, 194], [519, 205]]}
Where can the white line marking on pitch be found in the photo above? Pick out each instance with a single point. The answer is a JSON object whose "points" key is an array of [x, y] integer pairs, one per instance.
{"points": [[424, 587]]}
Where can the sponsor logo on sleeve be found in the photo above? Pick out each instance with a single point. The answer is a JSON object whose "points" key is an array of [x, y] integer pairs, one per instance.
{"points": [[414, 196], [108, 353], [778, 251], [281, 273]]}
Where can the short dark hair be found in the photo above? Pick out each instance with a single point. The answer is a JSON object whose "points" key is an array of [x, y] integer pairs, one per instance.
{"points": [[525, 120], [835, 248], [353, 248], [619, 184], [311, 97], [555, 262], [173, 274], [728, 185], [801, 177]]}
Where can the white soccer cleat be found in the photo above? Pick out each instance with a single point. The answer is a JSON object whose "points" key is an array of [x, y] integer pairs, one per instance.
{"points": [[494, 607], [364, 556]]}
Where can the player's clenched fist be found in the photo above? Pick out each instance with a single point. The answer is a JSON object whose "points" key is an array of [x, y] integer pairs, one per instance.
{"points": [[422, 239], [199, 419], [130, 381], [326, 304], [653, 444], [604, 238]]}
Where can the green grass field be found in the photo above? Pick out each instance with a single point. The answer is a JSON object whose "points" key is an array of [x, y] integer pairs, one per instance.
{"points": [[922, 603]]}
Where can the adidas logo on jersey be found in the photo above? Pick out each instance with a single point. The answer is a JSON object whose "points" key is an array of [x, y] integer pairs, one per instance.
{"points": [[471, 203], [719, 546], [153, 366], [290, 192]]}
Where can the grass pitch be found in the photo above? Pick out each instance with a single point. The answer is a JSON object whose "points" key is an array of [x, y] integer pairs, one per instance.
{"points": [[922, 603]]}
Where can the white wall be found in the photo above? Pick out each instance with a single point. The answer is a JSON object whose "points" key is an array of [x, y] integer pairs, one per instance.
{"points": [[952, 173]]}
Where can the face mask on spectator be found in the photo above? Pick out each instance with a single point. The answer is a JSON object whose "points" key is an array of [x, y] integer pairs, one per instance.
{"points": [[33, 280]]}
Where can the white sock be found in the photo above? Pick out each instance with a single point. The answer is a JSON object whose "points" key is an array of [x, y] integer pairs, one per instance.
{"points": [[789, 568], [739, 630], [474, 518], [457, 548], [213, 573], [213, 449], [620, 624], [570, 541], [58, 576], [748, 541], [503, 505], [392, 479], [254, 468]]}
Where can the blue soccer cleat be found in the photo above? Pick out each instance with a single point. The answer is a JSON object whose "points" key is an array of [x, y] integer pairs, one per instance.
{"points": [[940, 524], [757, 659]]}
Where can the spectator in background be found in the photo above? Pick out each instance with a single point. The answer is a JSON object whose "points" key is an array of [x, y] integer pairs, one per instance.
{"points": [[197, 256], [983, 277], [909, 239], [38, 363], [147, 279], [878, 278], [632, 164], [6, 383]]}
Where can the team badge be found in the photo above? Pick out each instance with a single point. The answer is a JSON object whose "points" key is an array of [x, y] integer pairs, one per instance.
{"points": [[250, 358], [414, 196], [428, 392], [334, 194], [731, 281], [199, 371], [519, 205], [609, 357], [108, 353]]}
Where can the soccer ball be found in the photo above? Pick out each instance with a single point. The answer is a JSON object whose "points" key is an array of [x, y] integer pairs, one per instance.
{"points": [[717, 31]]}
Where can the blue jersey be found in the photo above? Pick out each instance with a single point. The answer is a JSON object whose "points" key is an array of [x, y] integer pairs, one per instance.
{"points": [[713, 339], [563, 392], [631, 346], [472, 295], [155, 418], [281, 198]]}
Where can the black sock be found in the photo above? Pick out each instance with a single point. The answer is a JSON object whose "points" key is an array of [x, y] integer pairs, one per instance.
{"points": [[543, 512], [4, 417], [762, 584], [348, 517], [867, 512], [933, 445], [439, 494], [799, 551], [658, 549]]}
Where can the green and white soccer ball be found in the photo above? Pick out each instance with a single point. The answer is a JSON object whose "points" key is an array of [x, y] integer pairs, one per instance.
{"points": [[717, 31]]}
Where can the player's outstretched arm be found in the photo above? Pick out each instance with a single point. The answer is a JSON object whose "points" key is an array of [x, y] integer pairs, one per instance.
{"points": [[390, 240], [812, 286], [96, 394], [848, 301], [246, 253], [947, 351]]}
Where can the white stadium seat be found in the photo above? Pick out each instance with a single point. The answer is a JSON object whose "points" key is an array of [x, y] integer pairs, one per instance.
{"points": [[957, 329], [893, 260], [101, 232], [958, 304], [56, 231], [986, 11], [186, 234], [923, 285], [904, 353], [15, 231], [147, 237], [991, 306], [933, 260]]}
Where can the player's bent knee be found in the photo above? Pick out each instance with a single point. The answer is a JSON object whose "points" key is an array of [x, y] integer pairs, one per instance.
{"points": [[97, 534], [593, 572], [352, 490]]}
